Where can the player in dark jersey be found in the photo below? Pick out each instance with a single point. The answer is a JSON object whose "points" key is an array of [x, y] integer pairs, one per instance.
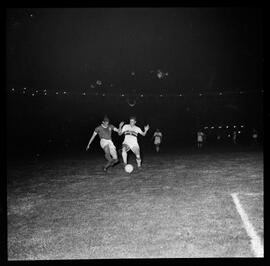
{"points": [[105, 134]]}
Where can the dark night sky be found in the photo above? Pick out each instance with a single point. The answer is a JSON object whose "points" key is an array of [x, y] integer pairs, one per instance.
{"points": [[72, 48], [201, 49]]}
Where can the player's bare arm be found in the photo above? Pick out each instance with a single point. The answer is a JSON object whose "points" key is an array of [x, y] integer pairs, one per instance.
{"points": [[120, 128], [91, 140], [146, 128]]}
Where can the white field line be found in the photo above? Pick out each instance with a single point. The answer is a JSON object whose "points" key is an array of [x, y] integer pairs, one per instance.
{"points": [[251, 194], [256, 243]]}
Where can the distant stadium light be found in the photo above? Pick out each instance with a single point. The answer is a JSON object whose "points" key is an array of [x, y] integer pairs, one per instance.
{"points": [[220, 93], [239, 131], [161, 95], [103, 94], [33, 94], [242, 126], [24, 88], [200, 94], [229, 136], [36, 91], [220, 127], [241, 92], [84, 93], [141, 95], [212, 127], [234, 126], [45, 93], [205, 127], [56, 92], [122, 95], [23, 92], [227, 126], [44, 90], [180, 94], [12, 89], [64, 92]]}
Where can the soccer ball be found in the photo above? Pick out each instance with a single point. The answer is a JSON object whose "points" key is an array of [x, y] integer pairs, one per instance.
{"points": [[129, 168]]}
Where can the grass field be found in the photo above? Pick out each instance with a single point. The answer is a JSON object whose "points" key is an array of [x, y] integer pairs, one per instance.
{"points": [[178, 206]]}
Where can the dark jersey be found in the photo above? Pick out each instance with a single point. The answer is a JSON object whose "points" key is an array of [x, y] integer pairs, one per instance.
{"points": [[105, 133]]}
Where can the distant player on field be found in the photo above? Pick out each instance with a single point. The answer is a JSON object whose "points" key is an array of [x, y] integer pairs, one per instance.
{"points": [[255, 136], [131, 132], [234, 137], [105, 131], [200, 136], [157, 139]]}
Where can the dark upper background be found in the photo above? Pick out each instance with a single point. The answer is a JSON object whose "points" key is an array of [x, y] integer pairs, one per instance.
{"points": [[202, 49]]}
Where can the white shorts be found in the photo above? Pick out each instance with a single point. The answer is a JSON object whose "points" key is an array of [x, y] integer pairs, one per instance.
{"points": [[199, 139], [157, 141], [133, 145], [112, 148]]}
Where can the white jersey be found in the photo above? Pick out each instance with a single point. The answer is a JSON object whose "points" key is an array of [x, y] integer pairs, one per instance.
{"points": [[200, 136], [131, 134]]}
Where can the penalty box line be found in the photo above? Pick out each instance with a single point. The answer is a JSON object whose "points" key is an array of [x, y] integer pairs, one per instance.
{"points": [[256, 243]]}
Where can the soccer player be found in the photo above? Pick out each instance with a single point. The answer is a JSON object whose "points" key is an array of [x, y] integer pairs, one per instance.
{"points": [[157, 139], [105, 132], [234, 137], [200, 136], [255, 135], [130, 142]]}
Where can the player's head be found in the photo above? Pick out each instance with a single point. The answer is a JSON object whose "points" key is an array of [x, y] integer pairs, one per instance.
{"points": [[132, 120], [106, 121], [157, 130]]}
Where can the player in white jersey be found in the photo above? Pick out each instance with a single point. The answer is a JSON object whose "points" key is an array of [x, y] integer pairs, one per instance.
{"points": [[200, 136], [131, 132], [157, 139]]}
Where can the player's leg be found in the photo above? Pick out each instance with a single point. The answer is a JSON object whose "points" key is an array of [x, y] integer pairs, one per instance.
{"points": [[113, 154], [136, 151], [157, 147], [107, 157], [125, 149]]}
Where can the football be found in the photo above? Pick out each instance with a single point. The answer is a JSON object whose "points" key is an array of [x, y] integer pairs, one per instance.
{"points": [[129, 168]]}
